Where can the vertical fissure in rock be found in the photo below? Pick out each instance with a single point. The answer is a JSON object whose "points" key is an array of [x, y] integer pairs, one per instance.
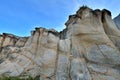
{"points": [[56, 61], [69, 61], [38, 40]]}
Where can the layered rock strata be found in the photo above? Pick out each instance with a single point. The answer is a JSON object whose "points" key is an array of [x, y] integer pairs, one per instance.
{"points": [[88, 49]]}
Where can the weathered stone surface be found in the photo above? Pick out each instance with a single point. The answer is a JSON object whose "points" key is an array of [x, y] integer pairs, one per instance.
{"points": [[117, 21], [88, 49]]}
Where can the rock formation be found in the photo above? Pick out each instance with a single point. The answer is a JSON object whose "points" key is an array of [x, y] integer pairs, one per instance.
{"points": [[88, 49], [117, 21]]}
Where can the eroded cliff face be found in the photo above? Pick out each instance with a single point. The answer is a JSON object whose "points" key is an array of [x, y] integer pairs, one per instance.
{"points": [[88, 49], [117, 21]]}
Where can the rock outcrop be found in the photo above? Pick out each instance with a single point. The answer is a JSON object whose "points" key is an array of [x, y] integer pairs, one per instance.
{"points": [[117, 21], [88, 49]]}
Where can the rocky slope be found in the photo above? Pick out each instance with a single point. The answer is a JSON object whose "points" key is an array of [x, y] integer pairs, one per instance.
{"points": [[117, 21], [88, 49]]}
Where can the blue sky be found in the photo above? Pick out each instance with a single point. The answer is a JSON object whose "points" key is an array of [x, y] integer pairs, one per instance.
{"points": [[19, 17]]}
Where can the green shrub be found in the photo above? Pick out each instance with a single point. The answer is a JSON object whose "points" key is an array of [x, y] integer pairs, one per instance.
{"points": [[10, 78]]}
